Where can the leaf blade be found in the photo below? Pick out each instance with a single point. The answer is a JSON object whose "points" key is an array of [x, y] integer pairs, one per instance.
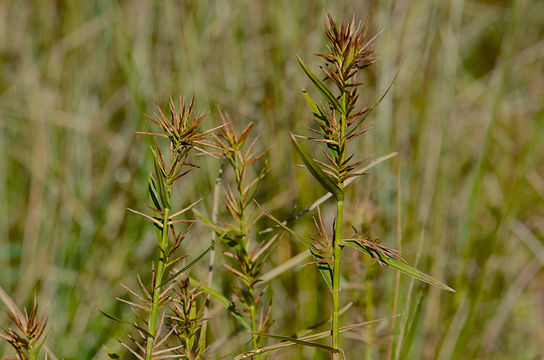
{"points": [[316, 171], [399, 266], [321, 87]]}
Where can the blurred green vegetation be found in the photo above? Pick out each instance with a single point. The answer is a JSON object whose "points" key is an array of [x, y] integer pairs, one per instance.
{"points": [[466, 114]]}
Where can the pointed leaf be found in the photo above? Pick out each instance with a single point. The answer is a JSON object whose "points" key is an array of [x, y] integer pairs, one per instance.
{"points": [[317, 173], [286, 342], [398, 265], [370, 109], [321, 87], [413, 272], [324, 268], [217, 229], [323, 122], [111, 354], [153, 193], [161, 181], [42, 343], [315, 109]]}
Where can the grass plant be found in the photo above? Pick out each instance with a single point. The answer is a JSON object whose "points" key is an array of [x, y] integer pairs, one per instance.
{"points": [[249, 257], [338, 123], [463, 116], [182, 129]]}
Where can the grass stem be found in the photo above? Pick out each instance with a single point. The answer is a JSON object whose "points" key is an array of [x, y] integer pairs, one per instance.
{"points": [[336, 278], [152, 323]]}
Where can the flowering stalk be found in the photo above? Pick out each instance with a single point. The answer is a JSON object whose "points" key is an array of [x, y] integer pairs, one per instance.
{"points": [[248, 259], [337, 122], [182, 131]]}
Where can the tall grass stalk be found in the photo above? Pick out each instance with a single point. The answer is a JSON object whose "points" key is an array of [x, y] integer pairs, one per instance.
{"points": [[240, 154], [338, 123], [182, 129], [153, 315]]}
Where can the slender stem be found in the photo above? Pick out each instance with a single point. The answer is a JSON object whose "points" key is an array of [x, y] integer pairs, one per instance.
{"points": [[369, 315], [238, 166], [397, 275], [31, 353], [336, 278], [337, 238], [152, 323], [254, 329], [252, 309]]}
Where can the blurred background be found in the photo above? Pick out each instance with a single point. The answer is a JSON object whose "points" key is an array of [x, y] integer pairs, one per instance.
{"points": [[466, 115]]}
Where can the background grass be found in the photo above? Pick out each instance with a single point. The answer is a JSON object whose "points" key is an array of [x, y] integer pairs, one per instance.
{"points": [[466, 115]]}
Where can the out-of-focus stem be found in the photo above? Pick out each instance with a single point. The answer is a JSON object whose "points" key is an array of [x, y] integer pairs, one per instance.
{"points": [[254, 328], [369, 315]]}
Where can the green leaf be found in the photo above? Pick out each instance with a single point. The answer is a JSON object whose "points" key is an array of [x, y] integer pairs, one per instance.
{"points": [[161, 181], [286, 341], [292, 341], [412, 325], [42, 343], [314, 108], [322, 88], [323, 123], [217, 229], [349, 58], [152, 189], [317, 173], [398, 265], [111, 354], [324, 268]]}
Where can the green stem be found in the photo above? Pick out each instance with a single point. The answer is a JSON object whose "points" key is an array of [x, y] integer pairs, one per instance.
{"points": [[31, 353], [245, 245], [336, 279], [337, 238], [369, 315], [152, 323], [254, 329]]}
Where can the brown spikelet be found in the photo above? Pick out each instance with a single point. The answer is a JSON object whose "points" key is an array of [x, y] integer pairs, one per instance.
{"points": [[28, 336]]}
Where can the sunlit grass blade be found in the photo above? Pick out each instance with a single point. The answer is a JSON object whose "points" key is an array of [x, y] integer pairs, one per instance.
{"points": [[289, 341], [317, 173], [161, 181], [111, 354], [154, 194], [315, 109], [322, 88], [398, 265]]}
